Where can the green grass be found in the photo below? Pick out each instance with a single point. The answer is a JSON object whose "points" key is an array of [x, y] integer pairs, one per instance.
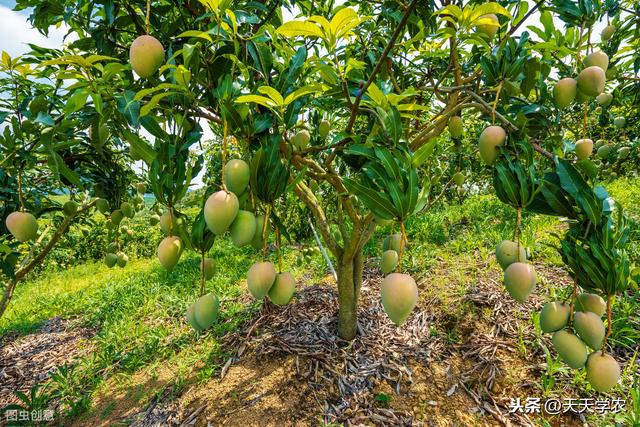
{"points": [[138, 311]]}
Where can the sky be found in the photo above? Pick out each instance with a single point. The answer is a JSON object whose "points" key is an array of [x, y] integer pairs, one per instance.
{"points": [[16, 31]]}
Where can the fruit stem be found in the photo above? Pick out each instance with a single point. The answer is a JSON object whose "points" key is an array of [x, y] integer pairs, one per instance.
{"points": [[264, 231], [518, 232], [574, 295], [224, 151], [202, 281], [403, 239], [606, 337], [147, 17], [584, 122], [20, 195], [495, 104], [278, 247]]}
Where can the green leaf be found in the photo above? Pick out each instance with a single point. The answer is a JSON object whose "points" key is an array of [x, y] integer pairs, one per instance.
{"points": [[343, 22], [146, 151], [306, 90], [299, 28], [423, 153], [376, 95], [272, 93], [262, 100], [197, 34], [146, 108], [375, 202], [76, 101]]}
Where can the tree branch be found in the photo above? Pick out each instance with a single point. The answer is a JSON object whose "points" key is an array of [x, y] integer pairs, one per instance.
{"points": [[376, 69], [23, 271]]}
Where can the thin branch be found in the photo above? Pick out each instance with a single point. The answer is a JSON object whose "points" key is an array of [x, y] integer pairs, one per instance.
{"points": [[399, 29]]}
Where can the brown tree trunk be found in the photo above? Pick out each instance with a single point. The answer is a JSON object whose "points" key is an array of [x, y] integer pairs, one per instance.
{"points": [[349, 283], [347, 300]]}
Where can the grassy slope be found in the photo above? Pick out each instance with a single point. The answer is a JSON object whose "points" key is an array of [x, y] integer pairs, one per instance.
{"points": [[138, 311]]}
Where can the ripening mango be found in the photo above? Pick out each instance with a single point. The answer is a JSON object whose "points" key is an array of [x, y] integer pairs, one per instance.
{"points": [[507, 253], [257, 242], [570, 348], [236, 176], [123, 259], [168, 223], [564, 92], [207, 268], [489, 28], [490, 139], [301, 139], [394, 242], [590, 328], [591, 81], [604, 99], [169, 252], [603, 372], [70, 208], [520, 280], [191, 318], [243, 228], [324, 128], [389, 261], [282, 289], [22, 225], [146, 55], [619, 122], [127, 209], [110, 259], [102, 205], [455, 126], [220, 210], [591, 302], [607, 32], [554, 316], [597, 59], [584, 148], [206, 309], [260, 278], [399, 294]]}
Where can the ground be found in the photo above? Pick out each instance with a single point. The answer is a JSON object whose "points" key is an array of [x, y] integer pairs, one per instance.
{"points": [[129, 358]]}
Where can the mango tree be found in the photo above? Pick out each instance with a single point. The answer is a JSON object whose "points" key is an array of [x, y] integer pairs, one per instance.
{"points": [[352, 100]]}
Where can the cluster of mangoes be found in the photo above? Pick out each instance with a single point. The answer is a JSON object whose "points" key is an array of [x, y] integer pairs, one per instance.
{"points": [[603, 371], [590, 83], [519, 276], [306, 255], [398, 291], [222, 214], [300, 140], [113, 254]]}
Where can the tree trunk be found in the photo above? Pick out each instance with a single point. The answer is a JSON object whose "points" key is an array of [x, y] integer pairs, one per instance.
{"points": [[349, 283], [7, 295]]}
